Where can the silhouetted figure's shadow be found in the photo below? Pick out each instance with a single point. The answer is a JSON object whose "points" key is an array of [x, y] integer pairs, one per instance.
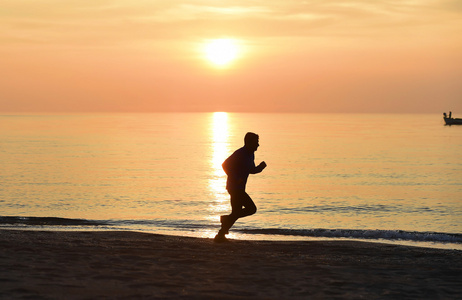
{"points": [[238, 167]]}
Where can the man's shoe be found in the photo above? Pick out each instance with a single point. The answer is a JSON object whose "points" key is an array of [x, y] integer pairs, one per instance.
{"points": [[220, 238]]}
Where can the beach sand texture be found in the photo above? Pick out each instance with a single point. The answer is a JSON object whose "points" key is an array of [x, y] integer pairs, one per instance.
{"points": [[129, 265]]}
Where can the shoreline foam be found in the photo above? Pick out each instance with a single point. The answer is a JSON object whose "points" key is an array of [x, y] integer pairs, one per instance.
{"points": [[440, 240]]}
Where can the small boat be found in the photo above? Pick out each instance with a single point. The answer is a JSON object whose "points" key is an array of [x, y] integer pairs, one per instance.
{"points": [[450, 120]]}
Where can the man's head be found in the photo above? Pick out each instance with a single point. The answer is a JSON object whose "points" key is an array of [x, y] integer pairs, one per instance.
{"points": [[251, 141]]}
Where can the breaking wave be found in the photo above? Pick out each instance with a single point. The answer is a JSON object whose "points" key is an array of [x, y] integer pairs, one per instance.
{"points": [[48, 221]]}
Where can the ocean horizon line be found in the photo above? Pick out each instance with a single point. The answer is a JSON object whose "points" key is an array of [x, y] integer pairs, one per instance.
{"points": [[79, 113]]}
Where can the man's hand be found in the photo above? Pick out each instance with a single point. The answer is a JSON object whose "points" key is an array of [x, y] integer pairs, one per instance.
{"points": [[262, 165]]}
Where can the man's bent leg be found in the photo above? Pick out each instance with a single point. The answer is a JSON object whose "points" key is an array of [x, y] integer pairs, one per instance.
{"points": [[249, 206], [242, 206]]}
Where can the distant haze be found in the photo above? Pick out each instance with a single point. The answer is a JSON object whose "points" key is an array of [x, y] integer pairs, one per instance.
{"points": [[293, 56]]}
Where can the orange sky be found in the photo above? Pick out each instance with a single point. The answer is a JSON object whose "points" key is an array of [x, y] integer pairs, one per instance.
{"points": [[295, 56]]}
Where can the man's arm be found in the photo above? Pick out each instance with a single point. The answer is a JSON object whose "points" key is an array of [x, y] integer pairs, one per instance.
{"points": [[231, 164], [228, 166], [258, 168]]}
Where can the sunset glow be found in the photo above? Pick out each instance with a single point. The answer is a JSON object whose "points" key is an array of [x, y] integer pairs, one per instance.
{"points": [[333, 56]]}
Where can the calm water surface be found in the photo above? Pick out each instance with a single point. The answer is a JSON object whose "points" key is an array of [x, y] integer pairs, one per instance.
{"points": [[380, 177]]}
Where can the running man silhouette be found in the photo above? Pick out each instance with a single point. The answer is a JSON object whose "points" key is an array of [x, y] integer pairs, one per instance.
{"points": [[238, 167]]}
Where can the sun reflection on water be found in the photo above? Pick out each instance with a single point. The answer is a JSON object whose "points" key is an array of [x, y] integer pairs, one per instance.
{"points": [[219, 141], [219, 134]]}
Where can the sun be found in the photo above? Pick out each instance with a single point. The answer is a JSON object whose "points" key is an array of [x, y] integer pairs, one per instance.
{"points": [[221, 52]]}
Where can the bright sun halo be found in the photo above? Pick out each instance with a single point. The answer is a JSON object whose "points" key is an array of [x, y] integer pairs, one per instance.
{"points": [[221, 52]]}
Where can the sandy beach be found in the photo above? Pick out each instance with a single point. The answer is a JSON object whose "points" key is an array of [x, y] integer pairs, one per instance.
{"points": [[129, 265]]}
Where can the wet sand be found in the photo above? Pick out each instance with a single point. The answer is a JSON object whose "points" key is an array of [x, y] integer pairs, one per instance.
{"points": [[128, 265]]}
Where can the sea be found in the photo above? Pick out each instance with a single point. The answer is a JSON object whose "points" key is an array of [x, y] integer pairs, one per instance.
{"points": [[388, 178]]}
